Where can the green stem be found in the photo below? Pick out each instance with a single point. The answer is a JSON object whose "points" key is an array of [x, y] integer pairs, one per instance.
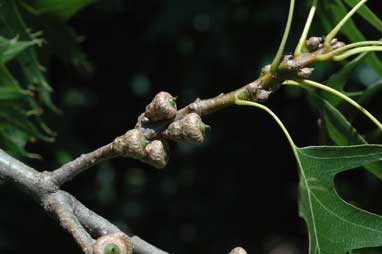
{"points": [[275, 117], [305, 32], [277, 59], [356, 51], [310, 83], [338, 27], [328, 56]]}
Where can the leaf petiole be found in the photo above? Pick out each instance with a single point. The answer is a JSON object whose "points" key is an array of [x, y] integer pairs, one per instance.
{"points": [[274, 116], [309, 83], [305, 32], [338, 27], [328, 56], [276, 61], [356, 51]]}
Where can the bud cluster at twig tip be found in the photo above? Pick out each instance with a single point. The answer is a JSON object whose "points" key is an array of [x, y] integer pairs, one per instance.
{"points": [[162, 107], [189, 129], [116, 243], [134, 145]]}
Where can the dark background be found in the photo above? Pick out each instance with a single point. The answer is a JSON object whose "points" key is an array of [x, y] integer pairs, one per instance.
{"points": [[237, 189]]}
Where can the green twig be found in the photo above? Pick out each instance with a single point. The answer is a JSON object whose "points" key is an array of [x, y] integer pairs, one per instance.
{"points": [[356, 51], [305, 32], [309, 83], [276, 61], [274, 116], [338, 27], [328, 56]]}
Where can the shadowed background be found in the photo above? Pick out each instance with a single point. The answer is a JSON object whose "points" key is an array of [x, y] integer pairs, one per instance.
{"points": [[237, 189]]}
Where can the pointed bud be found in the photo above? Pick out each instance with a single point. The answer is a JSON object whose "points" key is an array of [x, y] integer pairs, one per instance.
{"points": [[131, 144], [162, 107], [156, 154], [189, 129]]}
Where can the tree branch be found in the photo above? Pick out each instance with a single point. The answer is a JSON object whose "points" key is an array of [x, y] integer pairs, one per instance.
{"points": [[74, 217], [69, 170], [59, 205], [144, 142]]}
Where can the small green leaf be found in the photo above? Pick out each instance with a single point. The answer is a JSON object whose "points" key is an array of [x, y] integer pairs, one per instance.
{"points": [[335, 226]]}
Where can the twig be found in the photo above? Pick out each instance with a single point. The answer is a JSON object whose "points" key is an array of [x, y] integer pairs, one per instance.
{"points": [[63, 209], [69, 170]]}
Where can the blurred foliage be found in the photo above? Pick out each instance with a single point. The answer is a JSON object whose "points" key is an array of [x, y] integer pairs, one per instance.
{"points": [[24, 90]]}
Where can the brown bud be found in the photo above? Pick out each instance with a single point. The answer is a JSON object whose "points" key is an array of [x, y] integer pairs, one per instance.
{"points": [[116, 243], [287, 57], [156, 154], [189, 129], [337, 45], [162, 107], [313, 43], [305, 72], [262, 95], [257, 93], [238, 250], [131, 144]]}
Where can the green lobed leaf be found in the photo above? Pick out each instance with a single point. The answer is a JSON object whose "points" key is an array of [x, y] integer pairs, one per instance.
{"points": [[335, 226]]}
